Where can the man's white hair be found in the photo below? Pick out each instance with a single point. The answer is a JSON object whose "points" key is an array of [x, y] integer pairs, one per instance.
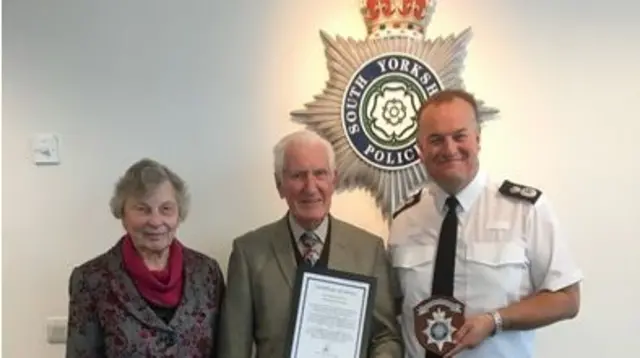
{"points": [[298, 137]]}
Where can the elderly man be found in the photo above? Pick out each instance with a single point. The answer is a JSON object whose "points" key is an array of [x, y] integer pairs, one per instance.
{"points": [[263, 262], [494, 247]]}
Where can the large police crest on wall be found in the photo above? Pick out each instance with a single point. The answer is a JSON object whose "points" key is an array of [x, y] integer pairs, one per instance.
{"points": [[375, 88]]}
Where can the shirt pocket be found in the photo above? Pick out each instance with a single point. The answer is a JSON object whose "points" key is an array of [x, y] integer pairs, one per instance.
{"points": [[497, 269], [412, 264]]}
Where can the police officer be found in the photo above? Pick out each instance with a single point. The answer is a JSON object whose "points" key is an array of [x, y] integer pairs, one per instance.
{"points": [[494, 246]]}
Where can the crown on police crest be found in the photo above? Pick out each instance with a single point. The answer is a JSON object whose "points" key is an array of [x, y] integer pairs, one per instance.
{"points": [[397, 18]]}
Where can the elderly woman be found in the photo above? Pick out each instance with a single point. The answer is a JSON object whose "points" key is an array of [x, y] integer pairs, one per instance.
{"points": [[149, 295]]}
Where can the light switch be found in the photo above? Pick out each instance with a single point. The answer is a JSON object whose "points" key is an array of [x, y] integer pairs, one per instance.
{"points": [[45, 149], [56, 330]]}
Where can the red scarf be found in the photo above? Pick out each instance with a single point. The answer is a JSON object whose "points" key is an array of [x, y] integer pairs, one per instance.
{"points": [[163, 288]]}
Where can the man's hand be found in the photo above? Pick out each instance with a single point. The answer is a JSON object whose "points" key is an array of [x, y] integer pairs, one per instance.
{"points": [[475, 330]]}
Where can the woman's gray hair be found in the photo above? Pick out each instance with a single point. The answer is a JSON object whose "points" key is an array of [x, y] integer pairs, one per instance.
{"points": [[301, 136], [141, 179]]}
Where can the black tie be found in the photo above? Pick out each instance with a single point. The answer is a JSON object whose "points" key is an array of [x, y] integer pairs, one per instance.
{"points": [[446, 256]]}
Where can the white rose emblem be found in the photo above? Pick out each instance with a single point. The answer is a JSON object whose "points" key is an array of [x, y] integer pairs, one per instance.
{"points": [[392, 112]]}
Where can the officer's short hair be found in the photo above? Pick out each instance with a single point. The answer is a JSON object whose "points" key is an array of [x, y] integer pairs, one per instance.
{"points": [[448, 95]]}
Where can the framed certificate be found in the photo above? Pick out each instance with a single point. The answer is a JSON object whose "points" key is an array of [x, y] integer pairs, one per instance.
{"points": [[331, 314]]}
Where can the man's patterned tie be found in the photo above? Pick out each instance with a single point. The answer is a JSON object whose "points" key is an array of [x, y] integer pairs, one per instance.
{"points": [[311, 247]]}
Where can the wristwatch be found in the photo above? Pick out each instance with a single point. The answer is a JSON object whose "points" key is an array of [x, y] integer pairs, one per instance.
{"points": [[497, 322]]}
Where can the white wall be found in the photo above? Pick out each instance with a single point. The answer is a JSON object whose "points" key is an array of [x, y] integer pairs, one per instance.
{"points": [[185, 81]]}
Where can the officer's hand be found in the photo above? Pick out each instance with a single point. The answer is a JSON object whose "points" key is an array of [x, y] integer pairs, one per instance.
{"points": [[473, 331]]}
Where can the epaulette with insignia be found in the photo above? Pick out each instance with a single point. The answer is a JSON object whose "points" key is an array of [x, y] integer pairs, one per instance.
{"points": [[518, 191], [414, 200]]}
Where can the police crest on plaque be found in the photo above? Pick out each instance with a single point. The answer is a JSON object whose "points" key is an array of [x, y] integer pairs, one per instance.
{"points": [[375, 88], [435, 321]]}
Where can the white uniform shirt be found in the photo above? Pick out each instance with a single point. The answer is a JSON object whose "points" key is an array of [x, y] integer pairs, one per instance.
{"points": [[507, 248]]}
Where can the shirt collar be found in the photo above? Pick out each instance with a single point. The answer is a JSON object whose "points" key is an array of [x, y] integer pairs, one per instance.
{"points": [[320, 231], [466, 196]]}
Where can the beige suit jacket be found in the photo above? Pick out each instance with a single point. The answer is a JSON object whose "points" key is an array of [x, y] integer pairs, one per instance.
{"points": [[261, 277]]}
